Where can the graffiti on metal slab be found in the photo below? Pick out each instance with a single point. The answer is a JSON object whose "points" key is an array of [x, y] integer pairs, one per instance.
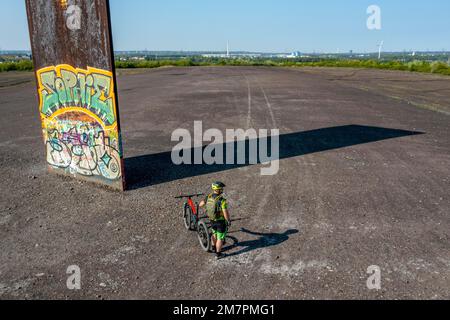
{"points": [[79, 121]]}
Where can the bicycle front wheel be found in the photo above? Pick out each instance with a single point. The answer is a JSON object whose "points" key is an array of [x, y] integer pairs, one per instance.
{"points": [[204, 236], [187, 217]]}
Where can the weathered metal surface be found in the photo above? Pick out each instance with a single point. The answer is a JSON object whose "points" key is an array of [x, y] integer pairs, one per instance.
{"points": [[73, 58]]}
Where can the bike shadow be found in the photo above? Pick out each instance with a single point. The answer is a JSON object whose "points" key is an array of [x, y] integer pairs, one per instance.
{"points": [[265, 240]]}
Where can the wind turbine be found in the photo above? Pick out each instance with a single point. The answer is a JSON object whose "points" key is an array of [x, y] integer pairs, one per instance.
{"points": [[380, 47]]}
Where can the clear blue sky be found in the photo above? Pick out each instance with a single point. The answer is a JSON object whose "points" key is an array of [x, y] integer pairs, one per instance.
{"points": [[259, 25]]}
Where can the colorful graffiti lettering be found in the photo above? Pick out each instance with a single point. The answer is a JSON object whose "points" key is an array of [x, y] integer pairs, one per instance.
{"points": [[79, 121], [91, 90], [83, 149]]}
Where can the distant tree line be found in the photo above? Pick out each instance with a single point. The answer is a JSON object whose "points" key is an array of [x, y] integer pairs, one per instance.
{"points": [[23, 65], [435, 67]]}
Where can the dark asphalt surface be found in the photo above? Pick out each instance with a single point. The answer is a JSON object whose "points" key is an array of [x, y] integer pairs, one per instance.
{"points": [[364, 180]]}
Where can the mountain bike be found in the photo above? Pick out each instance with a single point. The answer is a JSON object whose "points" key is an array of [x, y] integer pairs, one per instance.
{"points": [[194, 221], [190, 211]]}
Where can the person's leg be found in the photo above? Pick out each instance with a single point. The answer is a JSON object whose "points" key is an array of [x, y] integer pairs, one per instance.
{"points": [[219, 246], [221, 236], [215, 235], [214, 241], [219, 231]]}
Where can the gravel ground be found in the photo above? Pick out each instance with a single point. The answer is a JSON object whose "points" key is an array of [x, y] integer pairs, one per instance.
{"points": [[364, 180]]}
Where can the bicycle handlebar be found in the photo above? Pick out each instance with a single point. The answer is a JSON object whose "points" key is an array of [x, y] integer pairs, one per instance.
{"points": [[190, 196]]}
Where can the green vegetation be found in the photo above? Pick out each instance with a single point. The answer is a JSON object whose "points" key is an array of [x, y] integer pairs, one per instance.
{"points": [[23, 65], [414, 66], [131, 64], [435, 67]]}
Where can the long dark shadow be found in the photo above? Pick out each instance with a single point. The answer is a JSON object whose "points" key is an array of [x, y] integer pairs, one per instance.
{"points": [[263, 240], [153, 169]]}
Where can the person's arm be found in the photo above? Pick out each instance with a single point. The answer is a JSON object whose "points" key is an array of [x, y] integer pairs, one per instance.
{"points": [[226, 212], [203, 202], [227, 216]]}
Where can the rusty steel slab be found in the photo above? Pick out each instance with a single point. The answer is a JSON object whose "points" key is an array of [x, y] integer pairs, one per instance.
{"points": [[74, 64]]}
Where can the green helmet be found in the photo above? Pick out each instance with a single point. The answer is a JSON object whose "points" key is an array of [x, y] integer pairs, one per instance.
{"points": [[218, 186]]}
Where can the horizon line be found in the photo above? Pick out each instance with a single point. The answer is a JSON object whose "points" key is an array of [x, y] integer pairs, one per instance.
{"points": [[259, 52]]}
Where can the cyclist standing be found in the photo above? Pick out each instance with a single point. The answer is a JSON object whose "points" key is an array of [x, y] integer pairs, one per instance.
{"points": [[217, 210]]}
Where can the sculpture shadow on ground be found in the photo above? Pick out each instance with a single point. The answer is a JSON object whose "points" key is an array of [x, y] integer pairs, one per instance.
{"points": [[154, 169]]}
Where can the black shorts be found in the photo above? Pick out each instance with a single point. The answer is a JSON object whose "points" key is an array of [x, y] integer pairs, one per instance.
{"points": [[219, 226]]}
